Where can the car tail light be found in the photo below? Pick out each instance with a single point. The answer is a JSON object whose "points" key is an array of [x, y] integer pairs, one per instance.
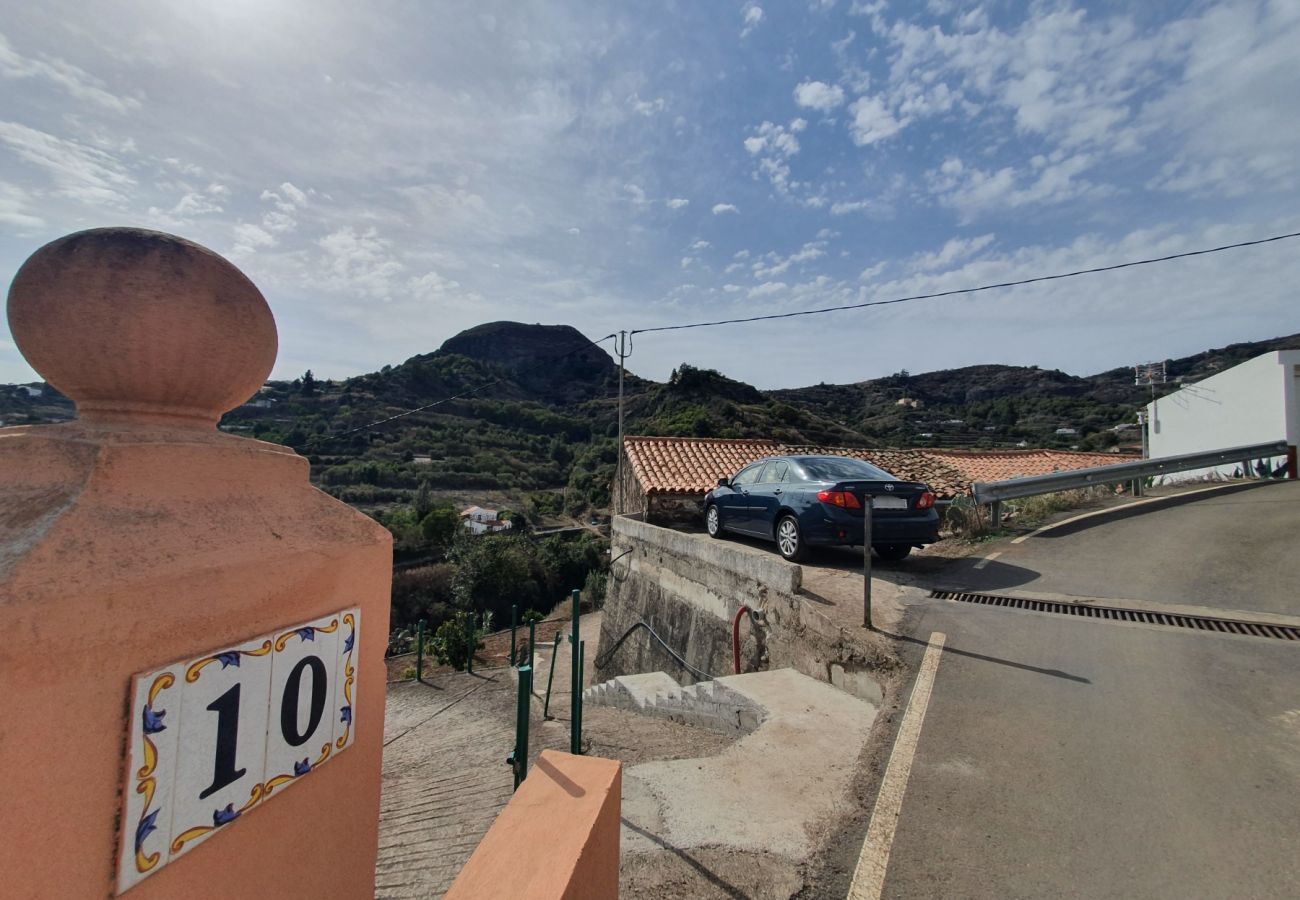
{"points": [[842, 499], [925, 501]]}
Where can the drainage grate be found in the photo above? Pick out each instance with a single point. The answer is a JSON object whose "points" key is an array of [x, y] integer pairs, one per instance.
{"points": [[1089, 611]]}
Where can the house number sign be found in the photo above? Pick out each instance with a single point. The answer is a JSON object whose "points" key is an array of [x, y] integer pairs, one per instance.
{"points": [[214, 737]]}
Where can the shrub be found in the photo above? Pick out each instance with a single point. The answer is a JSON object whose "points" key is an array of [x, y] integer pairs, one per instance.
{"points": [[451, 643]]}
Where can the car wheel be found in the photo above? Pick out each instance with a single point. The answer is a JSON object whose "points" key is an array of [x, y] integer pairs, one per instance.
{"points": [[788, 539], [892, 552], [713, 521]]}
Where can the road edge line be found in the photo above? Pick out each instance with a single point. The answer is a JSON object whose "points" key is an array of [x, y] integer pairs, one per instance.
{"points": [[873, 862]]}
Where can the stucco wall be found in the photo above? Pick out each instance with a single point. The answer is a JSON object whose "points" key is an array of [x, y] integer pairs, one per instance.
{"points": [[688, 587], [1250, 403]]}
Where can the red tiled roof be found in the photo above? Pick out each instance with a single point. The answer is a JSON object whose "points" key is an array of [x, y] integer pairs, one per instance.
{"points": [[690, 465], [999, 465], [671, 465]]}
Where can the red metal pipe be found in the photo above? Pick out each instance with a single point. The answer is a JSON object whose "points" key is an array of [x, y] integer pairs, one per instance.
{"points": [[735, 640]]}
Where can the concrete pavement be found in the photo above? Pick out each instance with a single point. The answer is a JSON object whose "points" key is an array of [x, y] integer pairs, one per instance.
{"points": [[1062, 756]]}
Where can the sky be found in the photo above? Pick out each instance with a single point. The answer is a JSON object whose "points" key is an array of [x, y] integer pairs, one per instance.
{"points": [[391, 173]]}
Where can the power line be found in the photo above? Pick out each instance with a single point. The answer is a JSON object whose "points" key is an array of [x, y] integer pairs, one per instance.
{"points": [[482, 387], [971, 290]]}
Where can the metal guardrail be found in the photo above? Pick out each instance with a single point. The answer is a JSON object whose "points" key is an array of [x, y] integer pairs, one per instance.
{"points": [[994, 492]]}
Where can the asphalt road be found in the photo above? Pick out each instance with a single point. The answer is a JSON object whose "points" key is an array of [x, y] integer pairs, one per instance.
{"points": [[1067, 757], [1233, 548]]}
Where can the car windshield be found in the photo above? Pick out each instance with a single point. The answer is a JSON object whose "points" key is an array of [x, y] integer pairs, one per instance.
{"points": [[841, 468]]}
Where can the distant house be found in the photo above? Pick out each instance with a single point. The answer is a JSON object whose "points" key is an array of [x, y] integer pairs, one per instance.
{"points": [[30, 390], [1252, 403], [477, 520], [1066, 432]]}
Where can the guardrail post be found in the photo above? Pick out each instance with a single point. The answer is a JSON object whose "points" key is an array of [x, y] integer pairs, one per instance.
{"points": [[532, 639], [555, 651], [995, 513], [419, 651], [518, 758], [866, 561]]}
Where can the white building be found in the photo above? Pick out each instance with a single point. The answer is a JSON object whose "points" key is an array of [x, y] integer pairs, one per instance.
{"points": [[478, 520], [1252, 403]]}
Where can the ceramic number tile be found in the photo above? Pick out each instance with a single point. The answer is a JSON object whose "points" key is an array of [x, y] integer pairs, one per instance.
{"points": [[300, 728], [223, 741], [344, 708], [151, 769]]}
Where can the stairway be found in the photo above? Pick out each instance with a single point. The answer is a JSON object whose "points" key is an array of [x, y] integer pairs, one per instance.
{"points": [[708, 704]]}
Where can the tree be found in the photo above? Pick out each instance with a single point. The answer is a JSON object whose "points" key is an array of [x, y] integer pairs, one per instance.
{"points": [[439, 524], [423, 504], [308, 388]]}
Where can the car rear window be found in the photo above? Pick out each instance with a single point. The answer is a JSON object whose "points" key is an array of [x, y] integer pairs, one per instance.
{"points": [[842, 468]]}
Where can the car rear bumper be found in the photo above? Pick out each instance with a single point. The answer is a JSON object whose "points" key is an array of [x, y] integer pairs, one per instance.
{"points": [[910, 530]]}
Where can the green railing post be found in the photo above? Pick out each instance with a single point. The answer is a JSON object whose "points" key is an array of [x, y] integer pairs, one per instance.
{"points": [[469, 627], [575, 683], [514, 621], [582, 659], [518, 758], [532, 639], [419, 651], [546, 707]]}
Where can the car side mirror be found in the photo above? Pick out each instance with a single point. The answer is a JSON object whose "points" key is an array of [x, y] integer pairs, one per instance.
{"points": [[724, 481]]}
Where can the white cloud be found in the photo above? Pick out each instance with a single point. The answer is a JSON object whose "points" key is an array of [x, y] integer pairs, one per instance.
{"points": [[773, 264], [75, 81], [636, 194], [732, 288], [952, 251], [774, 145], [646, 107], [752, 15], [360, 263], [700, 245], [248, 239], [678, 203], [844, 207], [720, 208], [872, 121], [974, 192], [80, 172], [767, 289], [15, 208], [819, 95]]}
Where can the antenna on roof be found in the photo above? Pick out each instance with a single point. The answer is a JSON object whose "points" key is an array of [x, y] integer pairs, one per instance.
{"points": [[1148, 375]]}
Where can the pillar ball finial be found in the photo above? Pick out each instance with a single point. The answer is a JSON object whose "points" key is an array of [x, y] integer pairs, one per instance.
{"points": [[141, 326]]}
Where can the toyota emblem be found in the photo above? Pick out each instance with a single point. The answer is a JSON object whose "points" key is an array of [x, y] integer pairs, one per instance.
{"points": [[889, 487]]}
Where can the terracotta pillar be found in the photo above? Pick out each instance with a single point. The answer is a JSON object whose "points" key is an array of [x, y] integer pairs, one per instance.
{"points": [[181, 609]]}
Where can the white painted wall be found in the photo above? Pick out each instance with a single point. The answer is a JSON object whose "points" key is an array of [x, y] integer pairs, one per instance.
{"points": [[1251, 403]]}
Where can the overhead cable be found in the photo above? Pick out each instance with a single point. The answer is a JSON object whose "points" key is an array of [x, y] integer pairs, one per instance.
{"points": [[970, 290]]}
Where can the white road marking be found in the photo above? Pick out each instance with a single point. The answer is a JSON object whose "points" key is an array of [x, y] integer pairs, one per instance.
{"points": [[988, 559], [1102, 512], [869, 876]]}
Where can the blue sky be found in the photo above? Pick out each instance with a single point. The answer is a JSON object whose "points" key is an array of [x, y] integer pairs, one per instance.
{"points": [[391, 173]]}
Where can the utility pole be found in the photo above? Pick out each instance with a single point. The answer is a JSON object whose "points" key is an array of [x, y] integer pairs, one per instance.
{"points": [[618, 469]]}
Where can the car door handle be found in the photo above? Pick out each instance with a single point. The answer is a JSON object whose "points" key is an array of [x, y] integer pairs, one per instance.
{"points": [[777, 491]]}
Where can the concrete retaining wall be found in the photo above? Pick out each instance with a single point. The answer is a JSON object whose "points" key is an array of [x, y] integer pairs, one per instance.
{"points": [[688, 588]]}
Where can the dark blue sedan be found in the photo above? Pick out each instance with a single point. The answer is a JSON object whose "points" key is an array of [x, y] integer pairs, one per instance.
{"points": [[808, 501]]}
